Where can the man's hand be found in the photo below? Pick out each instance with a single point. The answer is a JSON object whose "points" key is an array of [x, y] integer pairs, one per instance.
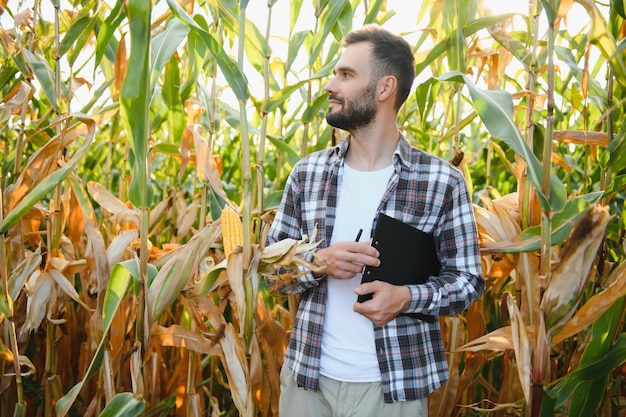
{"points": [[388, 301], [344, 260]]}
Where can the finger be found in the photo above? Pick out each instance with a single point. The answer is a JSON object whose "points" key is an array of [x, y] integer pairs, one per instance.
{"points": [[365, 248]]}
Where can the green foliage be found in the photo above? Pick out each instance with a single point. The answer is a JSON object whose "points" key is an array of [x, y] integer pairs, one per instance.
{"points": [[204, 73]]}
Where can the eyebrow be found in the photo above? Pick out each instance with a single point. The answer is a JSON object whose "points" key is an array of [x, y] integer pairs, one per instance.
{"points": [[344, 69]]}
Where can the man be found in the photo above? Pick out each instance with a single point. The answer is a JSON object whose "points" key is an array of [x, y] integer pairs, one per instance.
{"points": [[372, 359]]}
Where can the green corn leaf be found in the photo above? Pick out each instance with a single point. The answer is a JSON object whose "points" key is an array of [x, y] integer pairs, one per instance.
{"points": [[83, 37], [294, 12], [176, 116], [296, 40], [236, 79], [495, 109], [79, 25], [442, 47], [6, 307], [373, 12], [105, 41], [124, 405], [565, 387], [601, 37], [116, 291], [588, 395], [618, 6], [163, 47], [285, 150], [44, 75], [455, 17], [331, 18], [279, 98], [551, 7], [135, 101], [312, 111]]}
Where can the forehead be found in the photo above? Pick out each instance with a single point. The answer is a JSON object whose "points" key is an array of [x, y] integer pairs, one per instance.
{"points": [[356, 57]]}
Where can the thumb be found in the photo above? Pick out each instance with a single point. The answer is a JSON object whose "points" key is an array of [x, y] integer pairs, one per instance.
{"points": [[366, 288]]}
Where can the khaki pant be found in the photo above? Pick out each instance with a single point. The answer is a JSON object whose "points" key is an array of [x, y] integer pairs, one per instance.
{"points": [[342, 399]]}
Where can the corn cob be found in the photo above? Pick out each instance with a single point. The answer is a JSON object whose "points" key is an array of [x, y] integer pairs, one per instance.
{"points": [[232, 230]]}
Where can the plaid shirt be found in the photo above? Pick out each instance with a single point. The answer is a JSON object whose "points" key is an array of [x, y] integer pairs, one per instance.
{"points": [[423, 191]]}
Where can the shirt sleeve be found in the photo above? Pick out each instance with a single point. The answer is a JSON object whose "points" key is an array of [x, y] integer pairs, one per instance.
{"points": [[288, 224], [460, 281]]}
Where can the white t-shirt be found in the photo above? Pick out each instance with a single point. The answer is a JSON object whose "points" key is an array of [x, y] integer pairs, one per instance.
{"points": [[348, 348]]}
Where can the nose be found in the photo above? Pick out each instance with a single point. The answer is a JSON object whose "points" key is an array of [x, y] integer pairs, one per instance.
{"points": [[329, 85]]}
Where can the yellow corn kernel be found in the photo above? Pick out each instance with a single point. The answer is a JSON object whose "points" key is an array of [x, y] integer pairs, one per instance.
{"points": [[232, 230]]}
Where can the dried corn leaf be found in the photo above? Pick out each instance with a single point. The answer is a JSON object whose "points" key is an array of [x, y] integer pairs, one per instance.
{"points": [[136, 375], [235, 364], [22, 272], [499, 339], [206, 165], [177, 336], [582, 137], [26, 367], [125, 215], [521, 346], [186, 219], [66, 286], [596, 306], [40, 165], [570, 276], [236, 281], [42, 297], [180, 269], [14, 100], [257, 378], [117, 250]]}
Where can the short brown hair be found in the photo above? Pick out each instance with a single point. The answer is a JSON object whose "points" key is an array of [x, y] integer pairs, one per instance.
{"points": [[391, 55]]}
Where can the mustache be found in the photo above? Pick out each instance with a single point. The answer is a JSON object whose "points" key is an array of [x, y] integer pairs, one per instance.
{"points": [[335, 97]]}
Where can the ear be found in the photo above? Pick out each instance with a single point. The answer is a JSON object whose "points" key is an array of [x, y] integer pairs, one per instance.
{"points": [[387, 87]]}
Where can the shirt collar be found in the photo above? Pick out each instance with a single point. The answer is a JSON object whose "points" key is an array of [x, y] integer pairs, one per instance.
{"points": [[400, 155]]}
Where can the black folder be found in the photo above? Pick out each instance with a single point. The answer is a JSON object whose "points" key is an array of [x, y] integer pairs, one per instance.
{"points": [[407, 255]]}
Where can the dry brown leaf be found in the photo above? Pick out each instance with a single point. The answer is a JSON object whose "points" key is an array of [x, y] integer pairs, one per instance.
{"points": [[582, 137], [125, 216], [570, 277], [236, 281], [186, 219], [257, 378], [116, 252], [65, 285], [177, 336], [21, 273], [42, 298], [40, 165], [521, 346], [136, 375], [74, 220], [499, 339], [15, 99], [529, 284], [595, 307], [121, 63], [235, 364]]}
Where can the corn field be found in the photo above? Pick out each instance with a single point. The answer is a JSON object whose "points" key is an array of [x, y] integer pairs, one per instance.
{"points": [[145, 146]]}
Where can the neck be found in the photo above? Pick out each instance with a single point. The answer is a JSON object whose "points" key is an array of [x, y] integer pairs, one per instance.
{"points": [[372, 147]]}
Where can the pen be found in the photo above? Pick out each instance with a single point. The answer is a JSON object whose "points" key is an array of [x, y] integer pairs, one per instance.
{"points": [[358, 236]]}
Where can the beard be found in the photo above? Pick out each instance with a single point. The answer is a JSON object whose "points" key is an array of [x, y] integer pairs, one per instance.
{"points": [[360, 111]]}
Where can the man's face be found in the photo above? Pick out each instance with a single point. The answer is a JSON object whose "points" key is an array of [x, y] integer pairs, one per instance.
{"points": [[352, 94], [357, 110]]}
